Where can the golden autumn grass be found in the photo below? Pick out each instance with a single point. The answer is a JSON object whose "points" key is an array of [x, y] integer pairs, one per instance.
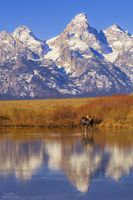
{"points": [[114, 112]]}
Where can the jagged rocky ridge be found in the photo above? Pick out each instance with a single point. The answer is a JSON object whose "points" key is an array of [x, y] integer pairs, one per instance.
{"points": [[79, 62]]}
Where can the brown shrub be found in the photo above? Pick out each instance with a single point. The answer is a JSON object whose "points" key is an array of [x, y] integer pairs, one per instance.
{"points": [[65, 115]]}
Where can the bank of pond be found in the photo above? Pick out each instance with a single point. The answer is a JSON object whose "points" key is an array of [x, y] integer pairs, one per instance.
{"points": [[108, 112]]}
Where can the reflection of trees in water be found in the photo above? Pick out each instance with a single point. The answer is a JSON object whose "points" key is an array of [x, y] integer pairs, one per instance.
{"points": [[80, 159]]}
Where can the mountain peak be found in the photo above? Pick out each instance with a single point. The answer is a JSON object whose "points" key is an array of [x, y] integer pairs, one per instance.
{"points": [[80, 19], [21, 31], [78, 24], [81, 16], [115, 27], [23, 28], [26, 36]]}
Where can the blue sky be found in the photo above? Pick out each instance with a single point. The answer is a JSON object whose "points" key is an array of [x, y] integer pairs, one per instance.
{"points": [[47, 18]]}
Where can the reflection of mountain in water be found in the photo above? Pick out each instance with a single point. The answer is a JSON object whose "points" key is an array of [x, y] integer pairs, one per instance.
{"points": [[79, 166], [82, 166], [54, 152], [120, 161], [23, 159], [79, 161]]}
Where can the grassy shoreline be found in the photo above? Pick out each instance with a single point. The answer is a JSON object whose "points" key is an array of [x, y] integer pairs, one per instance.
{"points": [[114, 112]]}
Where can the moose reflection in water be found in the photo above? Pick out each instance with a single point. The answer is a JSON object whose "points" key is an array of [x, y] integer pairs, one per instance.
{"points": [[87, 122], [88, 140], [80, 158]]}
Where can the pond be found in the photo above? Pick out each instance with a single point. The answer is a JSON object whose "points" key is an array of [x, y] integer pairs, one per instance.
{"points": [[63, 164]]}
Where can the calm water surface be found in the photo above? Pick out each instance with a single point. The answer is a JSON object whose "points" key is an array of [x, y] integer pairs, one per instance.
{"points": [[64, 165]]}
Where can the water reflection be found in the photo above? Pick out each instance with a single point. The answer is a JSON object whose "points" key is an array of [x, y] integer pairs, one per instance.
{"points": [[22, 159], [83, 165], [80, 159], [120, 161]]}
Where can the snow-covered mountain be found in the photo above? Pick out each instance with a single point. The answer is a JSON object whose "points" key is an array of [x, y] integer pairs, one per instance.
{"points": [[26, 36], [79, 62]]}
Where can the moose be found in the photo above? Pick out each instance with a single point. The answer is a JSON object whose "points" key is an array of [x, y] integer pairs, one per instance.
{"points": [[89, 121]]}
